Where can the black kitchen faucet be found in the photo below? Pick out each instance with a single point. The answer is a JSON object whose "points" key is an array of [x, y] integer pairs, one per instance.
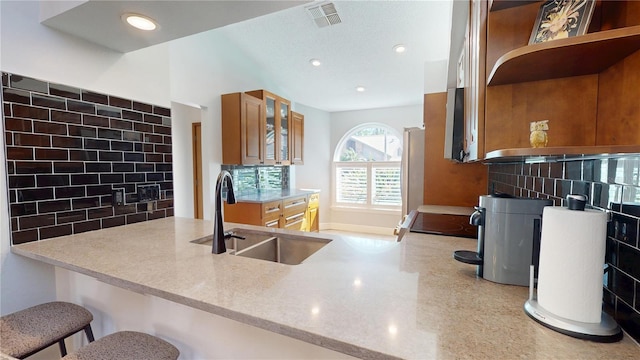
{"points": [[219, 235]]}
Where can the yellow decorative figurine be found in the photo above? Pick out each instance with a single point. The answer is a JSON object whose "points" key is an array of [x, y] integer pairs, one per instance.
{"points": [[538, 137]]}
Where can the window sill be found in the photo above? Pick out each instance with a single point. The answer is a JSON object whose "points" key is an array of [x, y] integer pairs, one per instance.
{"points": [[368, 210]]}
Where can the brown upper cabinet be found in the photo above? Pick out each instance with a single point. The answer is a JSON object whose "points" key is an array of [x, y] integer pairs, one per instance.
{"points": [[474, 70], [297, 138], [277, 123], [242, 129], [586, 86], [259, 128]]}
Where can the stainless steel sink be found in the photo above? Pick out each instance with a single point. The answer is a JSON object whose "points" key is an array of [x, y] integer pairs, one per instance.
{"points": [[282, 248]]}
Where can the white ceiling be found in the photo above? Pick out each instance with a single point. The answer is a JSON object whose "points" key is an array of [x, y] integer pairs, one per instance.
{"points": [[282, 37]]}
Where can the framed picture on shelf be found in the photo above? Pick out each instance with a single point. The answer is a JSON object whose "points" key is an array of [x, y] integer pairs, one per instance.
{"points": [[560, 19]]}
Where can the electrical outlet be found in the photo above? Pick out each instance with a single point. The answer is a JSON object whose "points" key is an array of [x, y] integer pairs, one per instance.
{"points": [[142, 193], [117, 197], [155, 192], [148, 192]]}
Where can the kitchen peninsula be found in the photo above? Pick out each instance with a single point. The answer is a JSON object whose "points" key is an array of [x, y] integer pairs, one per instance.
{"points": [[365, 298], [287, 209]]}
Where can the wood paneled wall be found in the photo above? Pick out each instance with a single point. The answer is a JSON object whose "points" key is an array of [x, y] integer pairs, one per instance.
{"points": [[512, 27], [570, 105], [597, 109], [619, 103], [447, 182]]}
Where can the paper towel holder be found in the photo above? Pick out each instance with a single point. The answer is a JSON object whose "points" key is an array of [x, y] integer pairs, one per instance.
{"points": [[576, 201], [606, 331]]}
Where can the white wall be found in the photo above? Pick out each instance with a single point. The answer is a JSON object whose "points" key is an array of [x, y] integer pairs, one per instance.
{"points": [[435, 76], [315, 173], [342, 122], [23, 282], [30, 49], [203, 67], [182, 116]]}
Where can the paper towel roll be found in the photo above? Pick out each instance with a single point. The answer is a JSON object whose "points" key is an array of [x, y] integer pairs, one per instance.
{"points": [[572, 251]]}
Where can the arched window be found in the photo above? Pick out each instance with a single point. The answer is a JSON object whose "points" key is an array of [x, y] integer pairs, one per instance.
{"points": [[366, 166]]}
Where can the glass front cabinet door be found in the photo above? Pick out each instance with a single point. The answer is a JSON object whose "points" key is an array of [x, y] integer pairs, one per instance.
{"points": [[284, 132], [270, 133], [277, 125]]}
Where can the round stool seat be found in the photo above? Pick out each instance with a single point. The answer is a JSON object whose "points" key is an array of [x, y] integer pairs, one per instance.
{"points": [[126, 345], [27, 331]]}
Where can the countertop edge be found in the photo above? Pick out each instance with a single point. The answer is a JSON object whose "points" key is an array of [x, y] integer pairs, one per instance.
{"points": [[417, 255], [255, 198], [282, 329]]}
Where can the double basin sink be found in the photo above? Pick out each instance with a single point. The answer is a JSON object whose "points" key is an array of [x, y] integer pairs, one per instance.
{"points": [[269, 246]]}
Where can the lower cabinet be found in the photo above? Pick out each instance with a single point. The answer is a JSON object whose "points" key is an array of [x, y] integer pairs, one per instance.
{"points": [[313, 213], [270, 215], [293, 213]]}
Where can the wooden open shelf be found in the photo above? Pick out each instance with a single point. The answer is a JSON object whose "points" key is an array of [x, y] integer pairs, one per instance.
{"points": [[580, 55], [561, 153]]}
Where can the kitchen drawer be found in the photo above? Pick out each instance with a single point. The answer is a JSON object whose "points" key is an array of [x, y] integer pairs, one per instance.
{"points": [[271, 211], [273, 223], [296, 221], [294, 205]]}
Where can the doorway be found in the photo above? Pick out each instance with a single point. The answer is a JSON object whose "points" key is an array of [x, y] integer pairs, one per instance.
{"points": [[196, 141]]}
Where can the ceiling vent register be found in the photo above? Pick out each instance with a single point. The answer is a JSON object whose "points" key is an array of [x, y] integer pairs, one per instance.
{"points": [[324, 14]]}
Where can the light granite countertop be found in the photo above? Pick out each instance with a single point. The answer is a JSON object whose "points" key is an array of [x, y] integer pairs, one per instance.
{"points": [[271, 195], [376, 299]]}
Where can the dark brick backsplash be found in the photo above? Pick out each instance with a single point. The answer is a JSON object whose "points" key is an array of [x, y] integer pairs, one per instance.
{"points": [[145, 108], [16, 96], [94, 97], [67, 148], [108, 111], [612, 184], [132, 115], [64, 91], [66, 117], [81, 107], [26, 83], [161, 129], [66, 142]]}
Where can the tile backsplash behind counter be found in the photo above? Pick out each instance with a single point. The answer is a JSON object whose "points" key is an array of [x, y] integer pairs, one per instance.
{"points": [[67, 148], [249, 179], [611, 184]]}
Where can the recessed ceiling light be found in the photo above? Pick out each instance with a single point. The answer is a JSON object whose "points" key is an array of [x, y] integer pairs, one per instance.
{"points": [[140, 21], [360, 89], [399, 48], [315, 62]]}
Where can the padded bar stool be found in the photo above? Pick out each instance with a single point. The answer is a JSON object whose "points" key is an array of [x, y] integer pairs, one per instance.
{"points": [[126, 345], [25, 332]]}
